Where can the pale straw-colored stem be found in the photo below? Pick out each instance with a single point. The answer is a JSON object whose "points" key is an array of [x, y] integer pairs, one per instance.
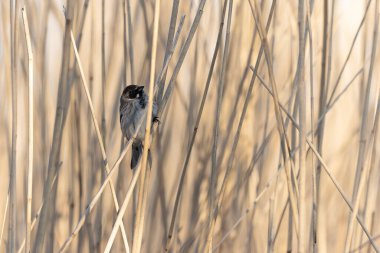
{"points": [[144, 179], [30, 132]]}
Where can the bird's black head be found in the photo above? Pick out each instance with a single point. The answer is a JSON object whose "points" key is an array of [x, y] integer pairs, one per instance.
{"points": [[132, 92]]}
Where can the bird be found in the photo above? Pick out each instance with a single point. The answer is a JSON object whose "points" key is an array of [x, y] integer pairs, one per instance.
{"points": [[133, 107]]}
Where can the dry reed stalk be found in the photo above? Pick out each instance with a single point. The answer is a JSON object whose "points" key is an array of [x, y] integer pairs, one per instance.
{"points": [[322, 97], [169, 45], [195, 130], [282, 216], [326, 169], [4, 218], [98, 224], [123, 208], [130, 41], [280, 124], [215, 206], [270, 243], [99, 137], [302, 123], [125, 43], [313, 226], [12, 229], [167, 95], [361, 169], [182, 55], [351, 49], [144, 178], [57, 133], [81, 23], [30, 132], [330, 44]]}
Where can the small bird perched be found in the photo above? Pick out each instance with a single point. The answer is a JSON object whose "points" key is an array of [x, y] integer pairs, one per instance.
{"points": [[133, 107]]}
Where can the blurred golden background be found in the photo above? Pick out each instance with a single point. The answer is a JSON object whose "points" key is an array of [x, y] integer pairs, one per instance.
{"points": [[252, 184]]}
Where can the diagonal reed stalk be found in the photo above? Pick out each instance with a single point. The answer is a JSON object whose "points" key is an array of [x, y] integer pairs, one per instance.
{"points": [[280, 123], [99, 137]]}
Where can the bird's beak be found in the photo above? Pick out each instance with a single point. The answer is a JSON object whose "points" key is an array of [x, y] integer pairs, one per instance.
{"points": [[140, 88]]}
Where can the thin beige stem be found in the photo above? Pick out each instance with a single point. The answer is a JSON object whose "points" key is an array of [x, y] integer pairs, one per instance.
{"points": [[30, 132], [302, 122], [4, 218], [12, 229], [143, 189]]}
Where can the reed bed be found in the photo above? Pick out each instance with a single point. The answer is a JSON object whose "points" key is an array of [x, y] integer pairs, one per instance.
{"points": [[267, 139]]}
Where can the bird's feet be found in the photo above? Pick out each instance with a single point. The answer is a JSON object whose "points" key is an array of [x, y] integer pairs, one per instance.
{"points": [[156, 120]]}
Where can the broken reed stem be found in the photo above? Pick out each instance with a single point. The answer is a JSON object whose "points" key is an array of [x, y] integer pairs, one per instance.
{"points": [[30, 132], [99, 137], [143, 189]]}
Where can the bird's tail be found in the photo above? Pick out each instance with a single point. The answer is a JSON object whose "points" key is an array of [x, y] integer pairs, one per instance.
{"points": [[136, 154], [137, 149]]}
